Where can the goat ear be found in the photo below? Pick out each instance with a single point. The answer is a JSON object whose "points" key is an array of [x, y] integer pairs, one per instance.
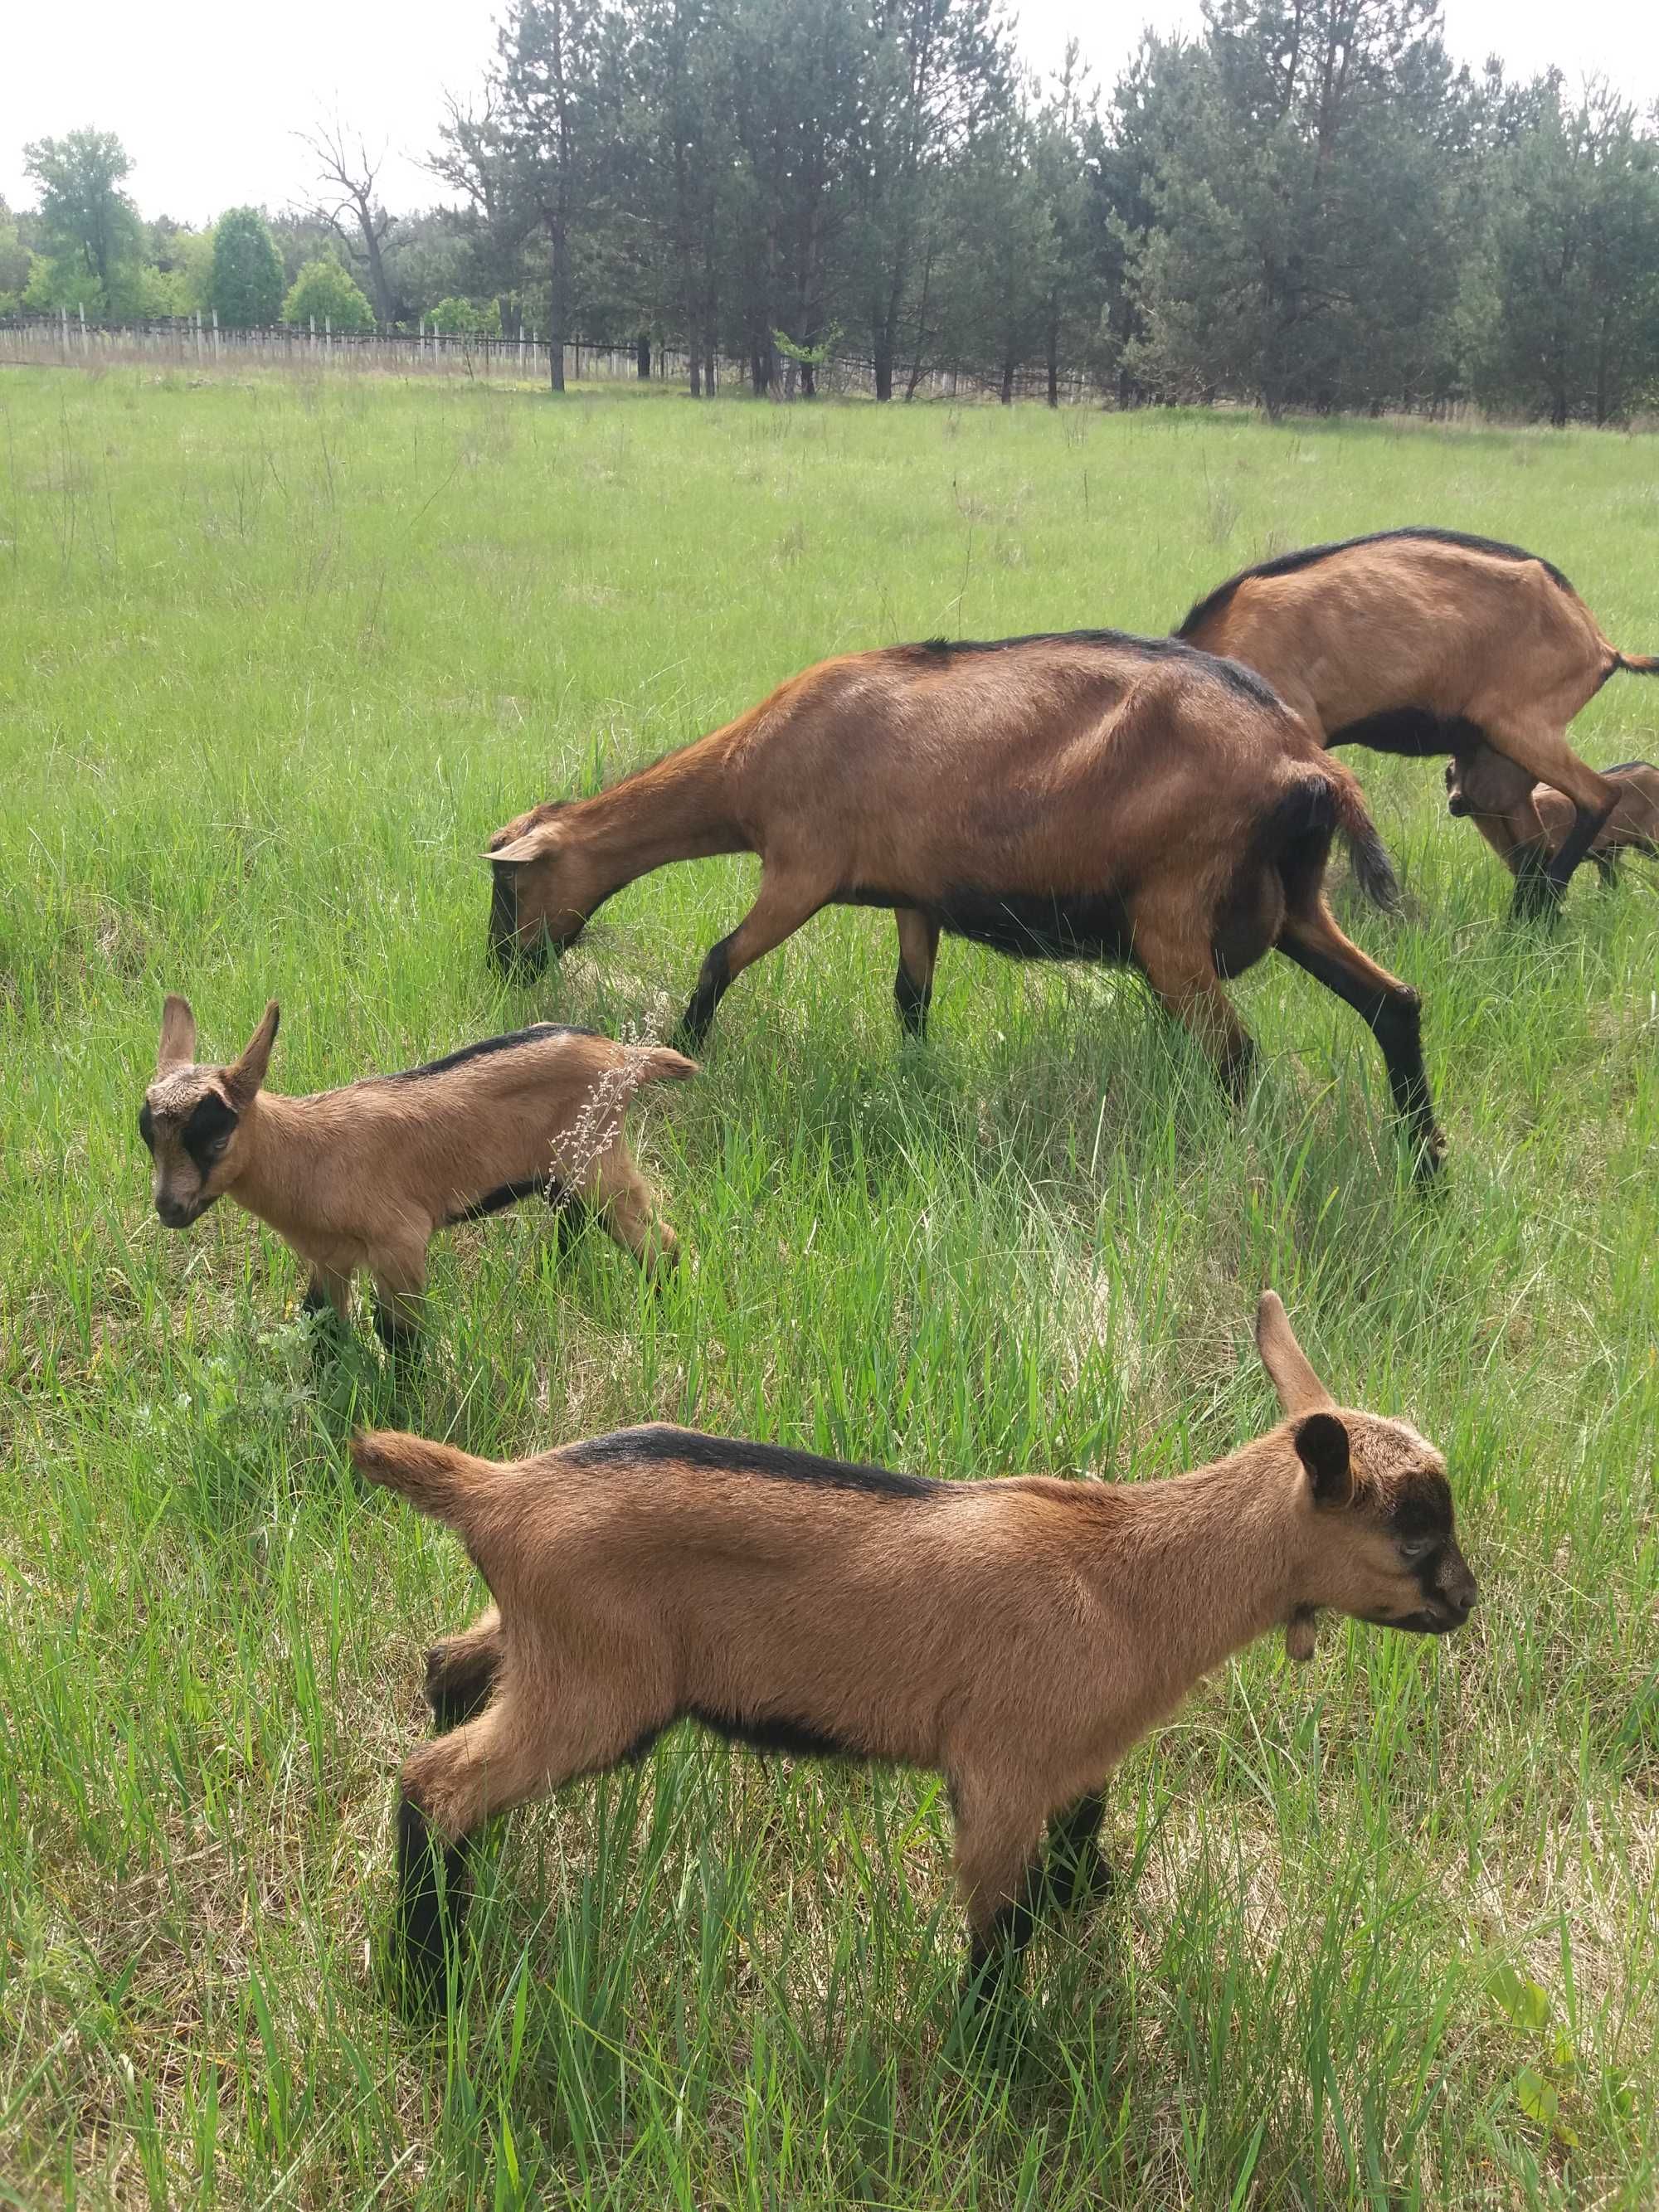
{"points": [[1300, 1390], [1321, 1445], [243, 1077], [531, 847], [178, 1047]]}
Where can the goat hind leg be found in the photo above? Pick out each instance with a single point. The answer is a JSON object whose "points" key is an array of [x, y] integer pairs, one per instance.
{"points": [[1390, 1009], [1542, 750], [1184, 977], [461, 1670], [399, 1299], [1074, 1869]]}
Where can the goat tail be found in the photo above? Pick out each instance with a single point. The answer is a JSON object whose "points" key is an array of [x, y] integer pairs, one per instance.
{"points": [[659, 1063], [1373, 870], [1636, 664], [436, 1478]]}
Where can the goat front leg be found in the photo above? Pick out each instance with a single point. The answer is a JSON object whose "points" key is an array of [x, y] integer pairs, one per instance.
{"points": [[788, 897], [913, 986], [328, 1291], [461, 1671], [399, 1298], [1000, 1876], [1390, 1009]]}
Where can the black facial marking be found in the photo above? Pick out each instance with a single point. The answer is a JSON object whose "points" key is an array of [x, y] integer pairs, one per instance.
{"points": [[1287, 564], [503, 903], [689, 1448], [1423, 1511], [206, 1133], [535, 1035], [1232, 673], [147, 1127], [1036, 925]]}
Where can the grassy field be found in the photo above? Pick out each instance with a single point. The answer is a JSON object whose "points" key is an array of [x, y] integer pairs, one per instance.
{"points": [[278, 656]]}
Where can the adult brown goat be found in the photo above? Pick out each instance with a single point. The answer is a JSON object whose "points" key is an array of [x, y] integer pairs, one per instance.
{"points": [[365, 1176], [1422, 641], [1475, 788], [1016, 1636], [1084, 796]]}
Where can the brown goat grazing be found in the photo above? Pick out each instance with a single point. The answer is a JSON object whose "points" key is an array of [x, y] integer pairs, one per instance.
{"points": [[1016, 1636], [1481, 784], [1092, 796], [1423, 641], [362, 1177]]}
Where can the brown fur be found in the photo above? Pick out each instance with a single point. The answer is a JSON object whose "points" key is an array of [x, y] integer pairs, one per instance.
{"points": [[1482, 785], [363, 1177], [1018, 1636], [1113, 796], [1485, 640]]}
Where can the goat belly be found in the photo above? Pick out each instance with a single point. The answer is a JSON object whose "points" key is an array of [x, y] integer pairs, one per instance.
{"points": [[1040, 925]]}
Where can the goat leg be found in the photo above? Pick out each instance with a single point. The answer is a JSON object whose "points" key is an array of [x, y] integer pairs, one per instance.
{"points": [[433, 1890]]}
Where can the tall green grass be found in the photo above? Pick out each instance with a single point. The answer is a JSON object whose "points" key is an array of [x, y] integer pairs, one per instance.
{"points": [[278, 656]]}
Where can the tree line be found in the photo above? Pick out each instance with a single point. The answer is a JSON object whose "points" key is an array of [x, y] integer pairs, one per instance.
{"points": [[1307, 206]]}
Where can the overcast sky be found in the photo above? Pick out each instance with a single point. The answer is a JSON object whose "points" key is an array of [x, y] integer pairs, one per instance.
{"points": [[206, 96]]}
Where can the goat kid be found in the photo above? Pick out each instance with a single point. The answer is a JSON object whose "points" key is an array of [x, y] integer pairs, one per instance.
{"points": [[1481, 785], [363, 1177], [1017, 1636], [1091, 796], [1422, 641]]}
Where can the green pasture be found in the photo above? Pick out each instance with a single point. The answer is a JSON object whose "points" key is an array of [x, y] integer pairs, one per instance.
{"points": [[276, 656]]}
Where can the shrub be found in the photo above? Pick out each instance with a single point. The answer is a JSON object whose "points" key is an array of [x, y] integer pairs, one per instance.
{"points": [[323, 290], [461, 318]]}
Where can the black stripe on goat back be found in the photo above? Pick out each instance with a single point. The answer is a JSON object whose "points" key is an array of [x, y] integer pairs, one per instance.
{"points": [[690, 1448], [1286, 564], [1233, 674], [1623, 768], [535, 1035]]}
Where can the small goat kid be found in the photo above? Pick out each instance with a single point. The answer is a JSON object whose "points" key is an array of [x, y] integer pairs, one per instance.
{"points": [[363, 1177], [1017, 1636], [1093, 795], [1482, 785], [1422, 641]]}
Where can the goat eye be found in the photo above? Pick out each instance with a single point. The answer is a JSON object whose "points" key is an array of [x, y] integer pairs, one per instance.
{"points": [[1418, 1548], [147, 1127]]}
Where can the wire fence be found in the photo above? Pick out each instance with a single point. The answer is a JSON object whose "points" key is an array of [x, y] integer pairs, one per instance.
{"points": [[66, 340]]}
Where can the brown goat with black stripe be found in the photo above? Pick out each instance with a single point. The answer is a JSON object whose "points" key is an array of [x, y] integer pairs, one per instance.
{"points": [[1423, 641], [1474, 791], [364, 1176], [1088, 796], [1016, 1636]]}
